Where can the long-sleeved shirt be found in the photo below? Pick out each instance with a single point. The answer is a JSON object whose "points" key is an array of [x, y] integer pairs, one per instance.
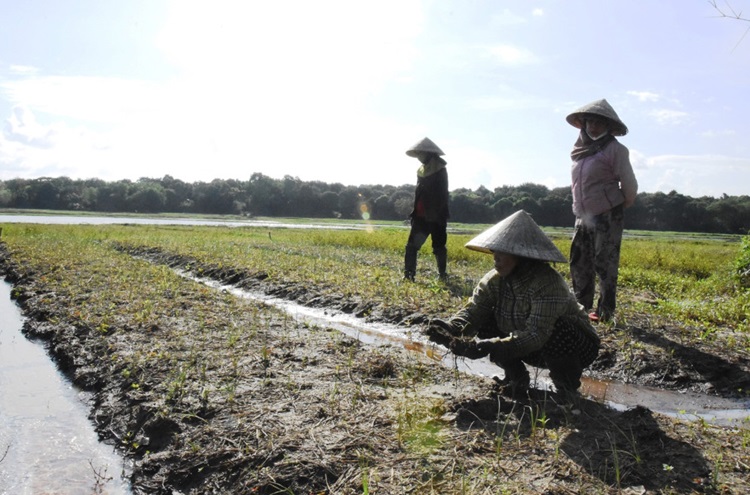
{"points": [[519, 310], [603, 180], [431, 198]]}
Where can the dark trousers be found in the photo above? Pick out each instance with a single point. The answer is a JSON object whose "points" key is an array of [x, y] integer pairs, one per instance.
{"points": [[595, 253], [421, 229]]}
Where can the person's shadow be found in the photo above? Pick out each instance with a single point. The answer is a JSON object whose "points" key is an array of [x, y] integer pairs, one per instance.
{"points": [[726, 378], [622, 449]]}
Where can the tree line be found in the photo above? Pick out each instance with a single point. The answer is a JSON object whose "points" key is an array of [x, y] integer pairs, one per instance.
{"points": [[291, 197]]}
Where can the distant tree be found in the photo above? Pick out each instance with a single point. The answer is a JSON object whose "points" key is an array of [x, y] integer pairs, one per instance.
{"points": [[350, 200], [329, 204], [555, 211], [266, 198], [382, 208], [402, 202], [222, 197], [45, 193], [484, 193], [113, 196], [527, 203], [732, 214], [501, 208], [89, 197], [262, 195], [6, 196], [147, 197], [468, 207], [533, 191], [178, 194]]}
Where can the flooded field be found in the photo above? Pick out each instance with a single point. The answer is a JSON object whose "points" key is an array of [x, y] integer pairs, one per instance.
{"points": [[256, 361]]}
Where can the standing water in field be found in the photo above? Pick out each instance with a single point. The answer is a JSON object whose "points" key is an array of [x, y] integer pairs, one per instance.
{"points": [[619, 396], [47, 444]]}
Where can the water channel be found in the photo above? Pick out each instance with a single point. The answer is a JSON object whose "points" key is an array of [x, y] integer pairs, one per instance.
{"points": [[47, 443], [619, 396]]}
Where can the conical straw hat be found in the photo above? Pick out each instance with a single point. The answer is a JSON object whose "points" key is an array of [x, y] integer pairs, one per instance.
{"points": [[602, 108], [519, 235], [426, 145]]}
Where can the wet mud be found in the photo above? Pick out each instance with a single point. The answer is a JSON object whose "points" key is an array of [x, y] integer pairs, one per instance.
{"points": [[304, 411], [633, 352]]}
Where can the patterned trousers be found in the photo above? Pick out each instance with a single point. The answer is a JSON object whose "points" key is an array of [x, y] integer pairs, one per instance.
{"points": [[595, 253], [572, 347]]}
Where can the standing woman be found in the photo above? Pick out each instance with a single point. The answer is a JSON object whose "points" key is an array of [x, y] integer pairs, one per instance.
{"points": [[429, 217], [603, 184]]}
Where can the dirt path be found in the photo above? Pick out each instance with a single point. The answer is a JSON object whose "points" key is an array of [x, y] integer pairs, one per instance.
{"points": [[237, 398]]}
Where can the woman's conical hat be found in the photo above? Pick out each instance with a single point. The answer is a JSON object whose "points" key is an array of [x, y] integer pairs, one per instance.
{"points": [[519, 235], [426, 146], [602, 108]]}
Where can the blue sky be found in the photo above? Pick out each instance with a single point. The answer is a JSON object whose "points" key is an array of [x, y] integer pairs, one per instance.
{"points": [[336, 91]]}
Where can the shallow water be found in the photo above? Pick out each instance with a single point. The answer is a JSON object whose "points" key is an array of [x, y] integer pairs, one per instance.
{"points": [[93, 220], [47, 443], [619, 396]]}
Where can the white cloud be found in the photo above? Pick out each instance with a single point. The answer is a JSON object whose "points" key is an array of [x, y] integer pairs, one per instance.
{"points": [[669, 117], [327, 47], [504, 102], [695, 175], [645, 96], [711, 133], [505, 98], [31, 149], [204, 143], [23, 69], [538, 12], [95, 99], [263, 86], [511, 55], [22, 127], [507, 18], [638, 160]]}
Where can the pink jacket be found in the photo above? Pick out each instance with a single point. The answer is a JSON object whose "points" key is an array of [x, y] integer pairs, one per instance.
{"points": [[603, 180]]}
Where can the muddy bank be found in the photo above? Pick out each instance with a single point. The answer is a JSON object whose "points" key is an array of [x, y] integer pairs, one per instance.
{"points": [[636, 351], [217, 395]]}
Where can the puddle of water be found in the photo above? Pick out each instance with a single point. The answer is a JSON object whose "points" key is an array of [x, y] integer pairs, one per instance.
{"points": [[619, 396], [47, 444]]}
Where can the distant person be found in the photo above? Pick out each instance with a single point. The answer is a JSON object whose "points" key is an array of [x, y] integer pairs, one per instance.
{"points": [[603, 184], [429, 217], [524, 311]]}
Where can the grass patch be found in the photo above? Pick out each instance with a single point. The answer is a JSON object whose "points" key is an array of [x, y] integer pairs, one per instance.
{"points": [[213, 394]]}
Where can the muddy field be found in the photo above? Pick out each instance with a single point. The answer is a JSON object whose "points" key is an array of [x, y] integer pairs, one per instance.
{"points": [[291, 408]]}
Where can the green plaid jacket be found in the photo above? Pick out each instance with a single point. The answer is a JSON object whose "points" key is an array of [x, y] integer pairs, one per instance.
{"points": [[521, 309]]}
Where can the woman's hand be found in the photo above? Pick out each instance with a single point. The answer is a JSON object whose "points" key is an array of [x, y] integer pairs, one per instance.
{"points": [[441, 332], [467, 348]]}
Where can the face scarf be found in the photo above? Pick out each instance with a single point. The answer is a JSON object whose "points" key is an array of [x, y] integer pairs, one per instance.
{"points": [[434, 164], [585, 146]]}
